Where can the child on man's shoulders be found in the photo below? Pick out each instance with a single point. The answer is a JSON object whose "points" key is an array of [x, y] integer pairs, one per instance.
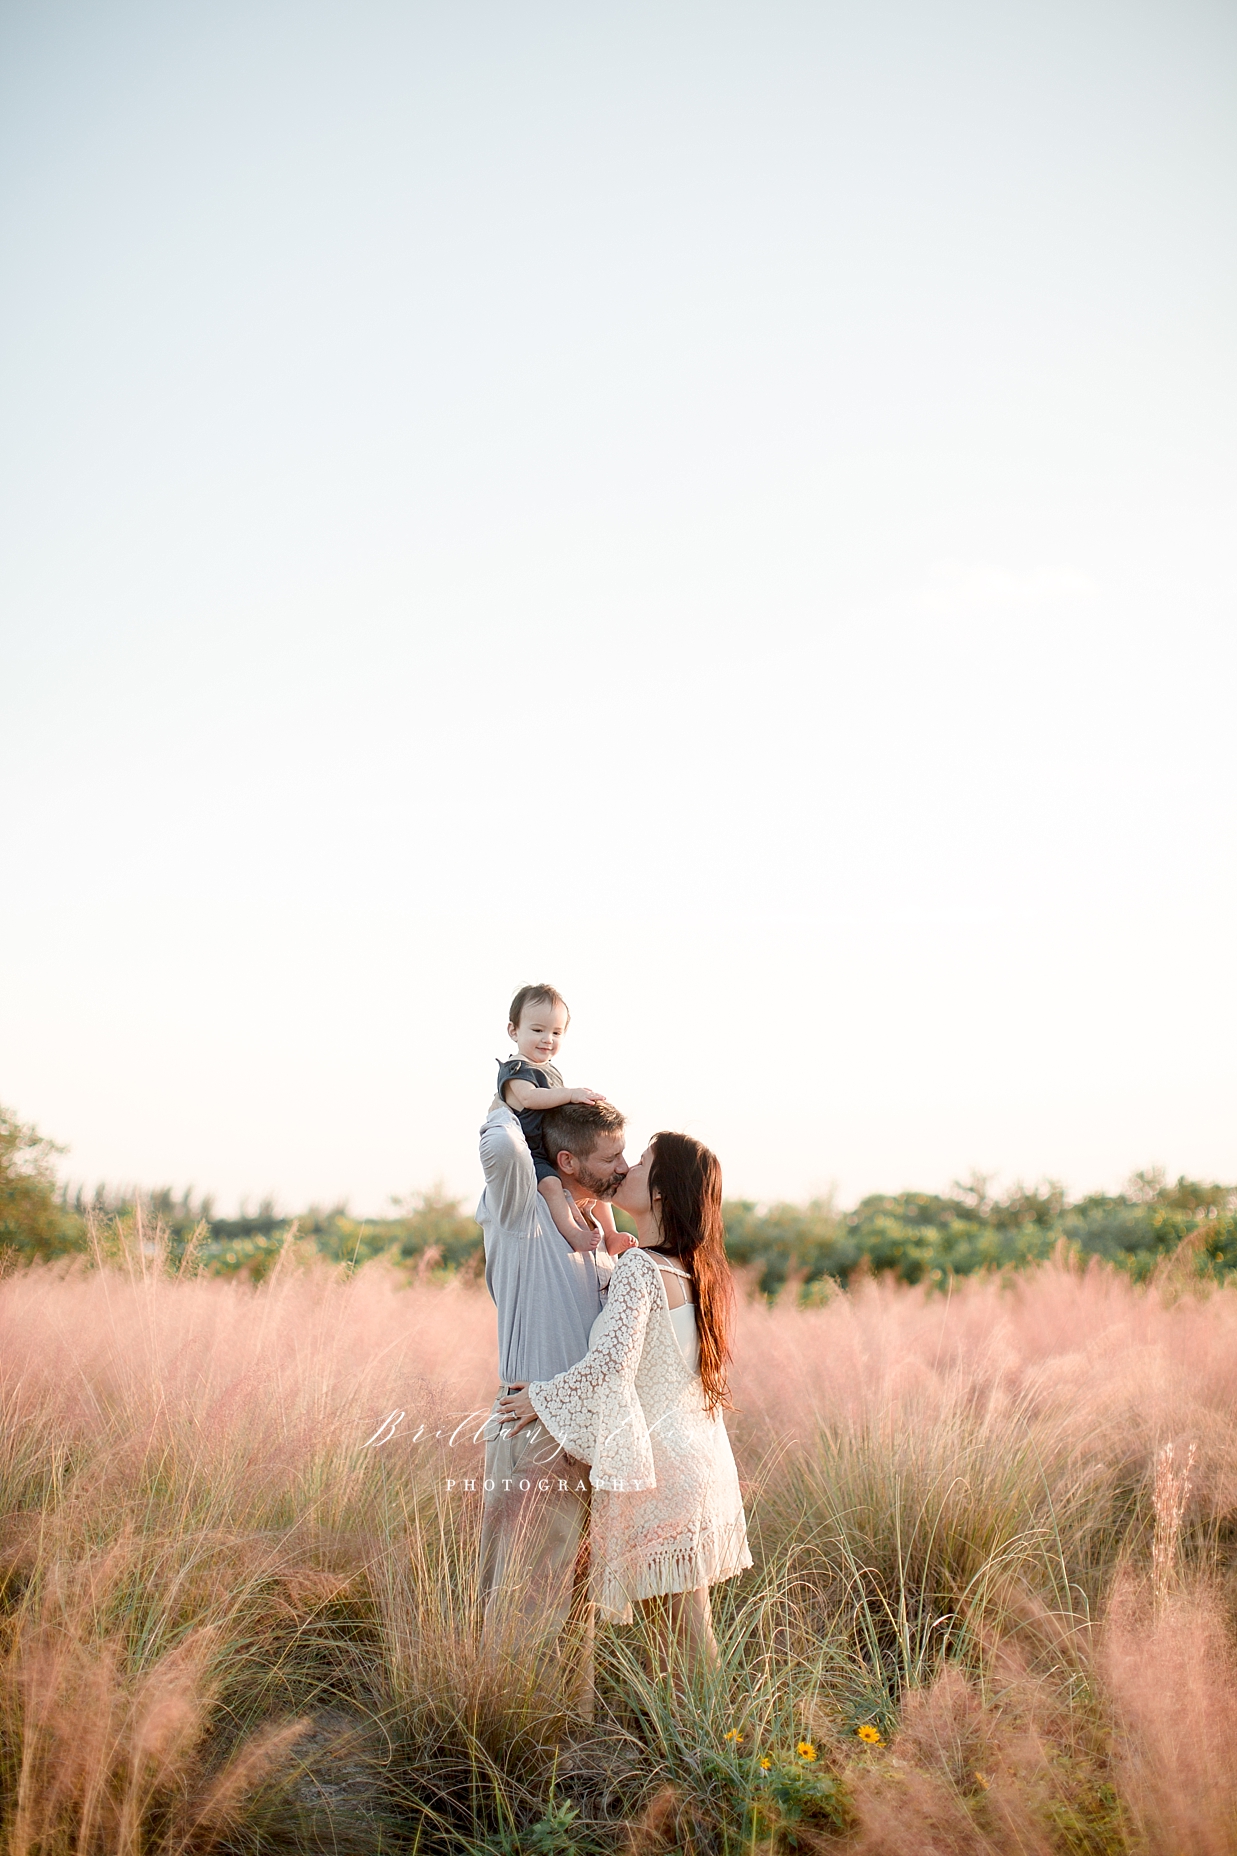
{"points": [[530, 1085]]}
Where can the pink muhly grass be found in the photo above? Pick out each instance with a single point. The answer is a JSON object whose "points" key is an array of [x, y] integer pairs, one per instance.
{"points": [[1170, 1494], [203, 1482], [1170, 1674]]}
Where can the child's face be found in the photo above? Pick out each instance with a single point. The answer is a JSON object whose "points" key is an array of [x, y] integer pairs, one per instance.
{"points": [[540, 1032]]}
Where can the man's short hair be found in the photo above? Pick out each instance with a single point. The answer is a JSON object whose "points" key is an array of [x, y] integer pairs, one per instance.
{"points": [[536, 995], [577, 1127]]}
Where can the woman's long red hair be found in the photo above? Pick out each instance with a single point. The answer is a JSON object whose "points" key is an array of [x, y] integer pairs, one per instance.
{"points": [[689, 1179]]}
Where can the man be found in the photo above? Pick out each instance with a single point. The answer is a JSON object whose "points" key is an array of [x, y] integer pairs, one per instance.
{"points": [[535, 1515]]}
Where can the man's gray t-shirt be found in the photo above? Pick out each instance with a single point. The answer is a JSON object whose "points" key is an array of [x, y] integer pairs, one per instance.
{"points": [[546, 1293]]}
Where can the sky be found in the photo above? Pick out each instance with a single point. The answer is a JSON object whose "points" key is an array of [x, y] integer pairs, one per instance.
{"points": [[725, 507]]}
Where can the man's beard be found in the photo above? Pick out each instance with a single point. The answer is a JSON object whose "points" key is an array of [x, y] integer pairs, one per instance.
{"points": [[603, 1188]]}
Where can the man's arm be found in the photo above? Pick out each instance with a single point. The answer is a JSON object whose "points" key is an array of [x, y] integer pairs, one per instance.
{"points": [[510, 1182]]}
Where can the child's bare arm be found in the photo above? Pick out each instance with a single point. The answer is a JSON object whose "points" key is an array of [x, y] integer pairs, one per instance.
{"points": [[527, 1095]]}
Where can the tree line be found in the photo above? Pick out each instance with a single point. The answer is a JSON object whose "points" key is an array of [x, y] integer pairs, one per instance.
{"points": [[912, 1236]]}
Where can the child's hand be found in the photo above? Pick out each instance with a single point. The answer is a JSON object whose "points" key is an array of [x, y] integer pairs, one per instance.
{"points": [[585, 1095]]}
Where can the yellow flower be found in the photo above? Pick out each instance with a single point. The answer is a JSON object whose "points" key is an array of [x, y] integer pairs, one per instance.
{"points": [[980, 1780], [765, 1764], [735, 1734], [869, 1733], [806, 1750]]}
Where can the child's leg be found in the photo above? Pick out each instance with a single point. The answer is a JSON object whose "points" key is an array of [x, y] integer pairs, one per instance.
{"points": [[568, 1220], [616, 1241]]}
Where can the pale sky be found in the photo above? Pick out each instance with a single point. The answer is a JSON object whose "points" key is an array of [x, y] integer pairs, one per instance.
{"points": [[724, 507]]}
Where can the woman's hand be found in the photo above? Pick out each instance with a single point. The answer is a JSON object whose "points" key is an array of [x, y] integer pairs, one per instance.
{"points": [[519, 1407]]}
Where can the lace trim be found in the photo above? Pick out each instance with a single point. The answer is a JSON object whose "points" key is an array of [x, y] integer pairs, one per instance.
{"points": [[721, 1555]]}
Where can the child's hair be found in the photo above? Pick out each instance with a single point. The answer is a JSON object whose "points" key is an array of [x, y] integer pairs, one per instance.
{"points": [[536, 995], [689, 1179]]}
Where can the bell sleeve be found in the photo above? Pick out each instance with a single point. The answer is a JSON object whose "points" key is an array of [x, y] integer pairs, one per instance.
{"points": [[593, 1409]]}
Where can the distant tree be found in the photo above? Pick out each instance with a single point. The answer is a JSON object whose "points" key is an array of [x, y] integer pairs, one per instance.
{"points": [[1144, 1225], [33, 1223], [781, 1241], [429, 1230], [924, 1237], [1188, 1226]]}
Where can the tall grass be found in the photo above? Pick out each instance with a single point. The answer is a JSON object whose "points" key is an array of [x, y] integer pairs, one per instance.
{"points": [[238, 1610]]}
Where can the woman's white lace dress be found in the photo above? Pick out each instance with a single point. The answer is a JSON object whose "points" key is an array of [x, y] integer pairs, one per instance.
{"points": [[667, 1515]]}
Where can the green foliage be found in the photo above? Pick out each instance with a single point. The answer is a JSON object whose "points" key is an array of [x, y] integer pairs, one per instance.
{"points": [[792, 1793], [916, 1237], [913, 1236], [33, 1224], [922, 1237], [430, 1231], [553, 1834]]}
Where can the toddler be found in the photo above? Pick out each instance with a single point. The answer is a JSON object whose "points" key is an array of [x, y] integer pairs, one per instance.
{"points": [[529, 1084]]}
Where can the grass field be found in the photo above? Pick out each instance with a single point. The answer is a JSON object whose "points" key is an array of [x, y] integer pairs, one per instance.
{"points": [[990, 1612]]}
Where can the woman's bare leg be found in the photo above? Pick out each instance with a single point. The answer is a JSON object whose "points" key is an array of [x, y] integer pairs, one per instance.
{"points": [[682, 1639]]}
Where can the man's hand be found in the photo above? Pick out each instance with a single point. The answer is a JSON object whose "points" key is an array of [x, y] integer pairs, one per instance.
{"points": [[516, 1408], [587, 1096]]}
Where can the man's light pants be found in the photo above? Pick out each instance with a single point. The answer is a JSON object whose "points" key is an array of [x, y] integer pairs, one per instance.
{"points": [[534, 1553]]}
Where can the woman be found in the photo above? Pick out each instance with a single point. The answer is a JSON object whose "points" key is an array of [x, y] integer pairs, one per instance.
{"points": [[644, 1407]]}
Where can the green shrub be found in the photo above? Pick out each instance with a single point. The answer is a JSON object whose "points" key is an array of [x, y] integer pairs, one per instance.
{"points": [[923, 1237], [33, 1222], [916, 1237]]}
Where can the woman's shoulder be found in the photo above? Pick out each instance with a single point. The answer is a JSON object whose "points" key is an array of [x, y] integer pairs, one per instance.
{"points": [[635, 1257], [647, 1266], [658, 1260], [636, 1263]]}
